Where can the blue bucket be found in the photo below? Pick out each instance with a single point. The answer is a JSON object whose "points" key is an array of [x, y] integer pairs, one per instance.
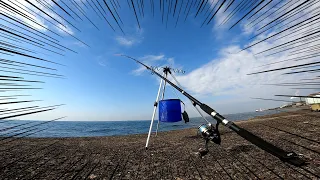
{"points": [[170, 110]]}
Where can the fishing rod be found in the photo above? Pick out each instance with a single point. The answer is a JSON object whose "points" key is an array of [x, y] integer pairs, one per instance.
{"points": [[209, 134]]}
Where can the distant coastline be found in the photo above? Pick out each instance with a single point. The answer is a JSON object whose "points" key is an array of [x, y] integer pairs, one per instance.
{"points": [[119, 128]]}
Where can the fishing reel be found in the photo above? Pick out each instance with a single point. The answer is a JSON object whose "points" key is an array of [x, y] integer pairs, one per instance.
{"points": [[209, 133]]}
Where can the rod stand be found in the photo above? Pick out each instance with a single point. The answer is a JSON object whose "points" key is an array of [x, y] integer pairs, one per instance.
{"points": [[166, 70], [155, 105]]}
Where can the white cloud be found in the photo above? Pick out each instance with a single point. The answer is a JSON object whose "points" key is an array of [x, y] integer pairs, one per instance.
{"points": [[102, 61], [155, 61], [79, 44], [64, 29], [139, 70], [125, 41], [131, 39], [152, 57]]}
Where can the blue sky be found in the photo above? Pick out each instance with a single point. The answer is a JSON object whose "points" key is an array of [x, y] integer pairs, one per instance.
{"points": [[102, 86]]}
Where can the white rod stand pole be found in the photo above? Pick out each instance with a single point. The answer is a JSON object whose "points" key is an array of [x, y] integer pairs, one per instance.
{"points": [[162, 97], [154, 113]]}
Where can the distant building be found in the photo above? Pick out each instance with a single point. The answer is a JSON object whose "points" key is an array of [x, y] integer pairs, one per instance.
{"points": [[311, 101], [314, 102]]}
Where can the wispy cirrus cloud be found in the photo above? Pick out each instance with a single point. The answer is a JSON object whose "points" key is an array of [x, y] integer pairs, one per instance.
{"points": [[125, 41], [131, 39], [102, 60], [102, 63], [66, 30], [155, 61], [152, 58]]}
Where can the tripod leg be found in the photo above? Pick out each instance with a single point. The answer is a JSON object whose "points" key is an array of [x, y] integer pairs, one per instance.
{"points": [[154, 113], [163, 91]]}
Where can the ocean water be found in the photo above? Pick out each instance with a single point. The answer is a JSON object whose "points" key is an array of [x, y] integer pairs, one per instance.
{"points": [[104, 128]]}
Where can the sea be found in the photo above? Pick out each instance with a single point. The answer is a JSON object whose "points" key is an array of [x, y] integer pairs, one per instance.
{"points": [[28, 128]]}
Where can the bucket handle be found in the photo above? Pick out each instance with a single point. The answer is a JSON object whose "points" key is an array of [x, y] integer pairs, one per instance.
{"points": [[184, 106]]}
